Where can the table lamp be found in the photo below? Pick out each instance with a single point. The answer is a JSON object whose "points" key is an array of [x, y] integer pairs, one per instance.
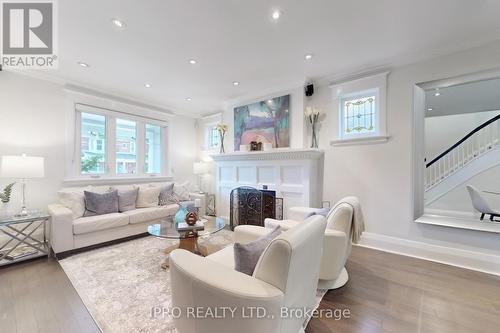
{"points": [[200, 168], [22, 167]]}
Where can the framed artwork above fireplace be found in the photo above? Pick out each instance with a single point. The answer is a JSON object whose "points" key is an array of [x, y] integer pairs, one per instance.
{"points": [[265, 121]]}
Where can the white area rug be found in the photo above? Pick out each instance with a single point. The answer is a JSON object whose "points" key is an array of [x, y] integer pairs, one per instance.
{"points": [[120, 284]]}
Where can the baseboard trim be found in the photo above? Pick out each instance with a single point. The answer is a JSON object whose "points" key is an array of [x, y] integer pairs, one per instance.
{"points": [[478, 261]]}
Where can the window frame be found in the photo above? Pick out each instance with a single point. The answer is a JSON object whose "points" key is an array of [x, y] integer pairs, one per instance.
{"points": [[375, 85], [111, 117], [376, 118]]}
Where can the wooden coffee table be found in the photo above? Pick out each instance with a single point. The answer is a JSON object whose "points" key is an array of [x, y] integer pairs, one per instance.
{"points": [[188, 240]]}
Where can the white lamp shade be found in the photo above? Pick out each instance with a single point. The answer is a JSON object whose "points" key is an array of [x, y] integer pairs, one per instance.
{"points": [[200, 168], [22, 167]]}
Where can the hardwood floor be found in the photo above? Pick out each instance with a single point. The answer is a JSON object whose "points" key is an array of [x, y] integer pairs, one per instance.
{"points": [[386, 293]]}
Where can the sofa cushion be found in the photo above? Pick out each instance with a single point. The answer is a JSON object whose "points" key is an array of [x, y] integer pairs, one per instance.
{"points": [[127, 199], [147, 197], [74, 201], [182, 191], [100, 204], [224, 257], [85, 225], [140, 215]]}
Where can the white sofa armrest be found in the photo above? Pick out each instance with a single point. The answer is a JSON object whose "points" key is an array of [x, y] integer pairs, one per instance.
{"points": [[203, 198], [300, 213], [245, 234], [334, 256], [61, 232], [198, 282]]}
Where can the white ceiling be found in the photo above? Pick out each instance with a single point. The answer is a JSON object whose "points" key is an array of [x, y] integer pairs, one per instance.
{"points": [[236, 40], [465, 98]]}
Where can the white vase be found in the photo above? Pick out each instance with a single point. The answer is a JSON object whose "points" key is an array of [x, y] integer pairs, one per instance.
{"points": [[5, 210]]}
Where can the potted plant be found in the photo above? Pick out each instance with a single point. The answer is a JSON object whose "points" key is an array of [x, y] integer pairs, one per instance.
{"points": [[222, 128], [5, 198], [312, 114]]}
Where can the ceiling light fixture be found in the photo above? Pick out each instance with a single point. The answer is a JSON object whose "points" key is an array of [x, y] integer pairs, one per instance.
{"points": [[429, 109], [236, 83], [437, 93], [147, 85], [308, 56], [193, 62], [118, 23], [83, 64], [189, 99], [276, 14]]}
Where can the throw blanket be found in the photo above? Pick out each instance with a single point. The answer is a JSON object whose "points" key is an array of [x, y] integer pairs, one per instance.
{"points": [[358, 222]]}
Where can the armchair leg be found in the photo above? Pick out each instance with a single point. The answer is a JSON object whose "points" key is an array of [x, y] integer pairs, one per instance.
{"points": [[335, 284], [482, 216], [491, 217]]}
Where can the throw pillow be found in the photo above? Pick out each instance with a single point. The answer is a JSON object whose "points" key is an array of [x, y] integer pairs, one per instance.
{"points": [[182, 191], [166, 194], [100, 203], [246, 256], [126, 199], [74, 201], [147, 197]]}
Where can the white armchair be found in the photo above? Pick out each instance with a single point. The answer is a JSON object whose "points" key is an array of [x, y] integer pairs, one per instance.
{"points": [[336, 243], [286, 276]]}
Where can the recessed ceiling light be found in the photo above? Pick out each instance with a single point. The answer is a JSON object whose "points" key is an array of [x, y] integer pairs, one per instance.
{"points": [[83, 64], [437, 93], [147, 85], [236, 83], [429, 109], [309, 56], [276, 14], [193, 62], [118, 23], [188, 99]]}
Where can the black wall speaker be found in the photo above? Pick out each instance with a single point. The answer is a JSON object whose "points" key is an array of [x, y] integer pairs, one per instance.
{"points": [[309, 90]]}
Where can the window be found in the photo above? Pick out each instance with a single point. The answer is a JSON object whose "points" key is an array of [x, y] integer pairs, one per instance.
{"points": [[117, 144], [361, 110], [359, 114], [213, 137], [153, 149], [126, 156], [93, 137]]}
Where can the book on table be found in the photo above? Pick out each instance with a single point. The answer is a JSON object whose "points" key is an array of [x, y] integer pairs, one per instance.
{"points": [[183, 226]]}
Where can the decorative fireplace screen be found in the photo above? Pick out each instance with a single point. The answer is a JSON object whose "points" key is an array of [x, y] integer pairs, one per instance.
{"points": [[252, 206]]}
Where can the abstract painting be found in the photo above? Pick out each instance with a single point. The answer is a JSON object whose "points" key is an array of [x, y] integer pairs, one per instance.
{"points": [[265, 121]]}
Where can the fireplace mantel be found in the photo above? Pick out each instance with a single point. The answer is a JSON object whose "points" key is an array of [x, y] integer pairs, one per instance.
{"points": [[295, 174], [274, 154]]}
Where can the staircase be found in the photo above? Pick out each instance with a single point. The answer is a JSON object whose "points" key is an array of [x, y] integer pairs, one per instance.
{"points": [[474, 153]]}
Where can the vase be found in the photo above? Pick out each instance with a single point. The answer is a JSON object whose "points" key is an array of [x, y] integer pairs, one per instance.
{"points": [[314, 138], [5, 210], [180, 216], [222, 150]]}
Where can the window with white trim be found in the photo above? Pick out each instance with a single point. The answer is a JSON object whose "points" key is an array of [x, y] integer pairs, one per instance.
{"points": [[213, 137], [361, 107], [114, 144]]}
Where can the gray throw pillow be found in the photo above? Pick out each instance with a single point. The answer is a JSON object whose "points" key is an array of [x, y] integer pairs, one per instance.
{"points": [[99, 204], [126, 199], [246, 256], [167, 196]]}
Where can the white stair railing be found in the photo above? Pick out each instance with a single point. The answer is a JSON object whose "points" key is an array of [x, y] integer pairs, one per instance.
{"points": [[478, 142]]}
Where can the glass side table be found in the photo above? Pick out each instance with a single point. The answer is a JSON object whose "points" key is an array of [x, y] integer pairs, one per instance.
{"points": [[21, 243]]}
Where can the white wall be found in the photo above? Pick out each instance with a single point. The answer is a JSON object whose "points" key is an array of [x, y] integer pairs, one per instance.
{"points": [[381, 174], [32, 121], [444, 131]]}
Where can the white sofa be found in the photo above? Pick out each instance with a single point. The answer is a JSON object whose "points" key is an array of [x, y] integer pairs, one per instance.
{"points": [[70, 232], [285, 278]]}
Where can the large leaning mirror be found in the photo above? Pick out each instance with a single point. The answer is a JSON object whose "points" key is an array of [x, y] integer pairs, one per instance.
{"points": [[461, 149]]}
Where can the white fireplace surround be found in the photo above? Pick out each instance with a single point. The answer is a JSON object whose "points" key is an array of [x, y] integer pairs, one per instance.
{"points": [[295, 174]]}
